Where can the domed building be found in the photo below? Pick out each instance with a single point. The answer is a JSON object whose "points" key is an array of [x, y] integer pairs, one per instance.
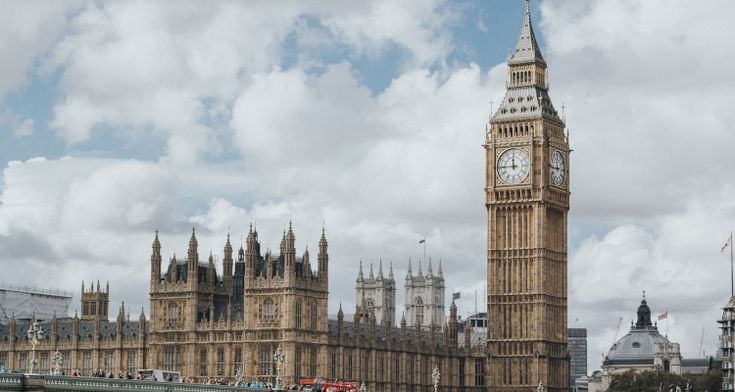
{"points": [[643, 348]]}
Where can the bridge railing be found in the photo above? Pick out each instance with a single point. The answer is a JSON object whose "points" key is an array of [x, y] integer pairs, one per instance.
{"points": [[24, 382]]}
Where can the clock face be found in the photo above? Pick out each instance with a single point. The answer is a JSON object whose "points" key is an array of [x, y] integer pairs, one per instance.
{"points": [[557, 165], [513, 166]]}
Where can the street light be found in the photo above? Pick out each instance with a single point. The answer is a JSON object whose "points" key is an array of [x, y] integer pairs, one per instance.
{"points": [[35, 335], [435, 375], [278, 358], [56, 362]]}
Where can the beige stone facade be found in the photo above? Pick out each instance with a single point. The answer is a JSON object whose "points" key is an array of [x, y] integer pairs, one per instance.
{"points": [[194, 328], [527, 198]]}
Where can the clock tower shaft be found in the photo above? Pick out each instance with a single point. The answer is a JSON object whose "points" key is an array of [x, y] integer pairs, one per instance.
{"points": [[527, 230]]}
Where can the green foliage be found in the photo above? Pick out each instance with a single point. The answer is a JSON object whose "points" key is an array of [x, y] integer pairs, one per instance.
{"points": [[651, 381]]}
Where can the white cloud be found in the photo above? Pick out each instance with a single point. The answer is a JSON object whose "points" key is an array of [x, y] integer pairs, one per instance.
{"points": [[27, 30], [647, 87], [175, 69]]}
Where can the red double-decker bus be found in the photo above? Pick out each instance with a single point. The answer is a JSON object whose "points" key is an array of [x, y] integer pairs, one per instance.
{"points": [[323, 386]]}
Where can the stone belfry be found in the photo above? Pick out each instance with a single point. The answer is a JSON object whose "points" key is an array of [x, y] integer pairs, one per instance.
{"points": [[527, 199]]}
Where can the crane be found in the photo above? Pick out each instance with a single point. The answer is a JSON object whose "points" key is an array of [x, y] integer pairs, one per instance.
{"points": [[701, 343], [617, 330]]}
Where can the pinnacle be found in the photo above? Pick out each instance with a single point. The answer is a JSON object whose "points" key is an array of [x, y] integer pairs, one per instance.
{"points": [[527, 49]]}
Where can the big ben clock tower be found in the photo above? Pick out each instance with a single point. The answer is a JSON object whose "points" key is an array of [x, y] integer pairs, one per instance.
{"points": [[527, 199]]}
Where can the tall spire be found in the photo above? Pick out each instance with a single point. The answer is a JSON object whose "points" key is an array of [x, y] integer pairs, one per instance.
{"points": [[527, 49], [380, 269], [371, 272], [359, 274], [390, 273], [409, 273], [430, 272], [441, 275]]}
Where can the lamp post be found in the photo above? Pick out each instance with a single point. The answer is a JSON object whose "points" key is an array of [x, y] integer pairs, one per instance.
{"points": [[35, 335], [436, 376], [56, 363], [278, 358]]}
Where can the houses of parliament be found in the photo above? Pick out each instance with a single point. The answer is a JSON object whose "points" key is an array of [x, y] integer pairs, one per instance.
{"points": [[204, 324]]}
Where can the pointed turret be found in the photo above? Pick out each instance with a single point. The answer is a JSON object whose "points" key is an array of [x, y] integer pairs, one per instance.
{"points": [[372, 277], [227, 264], [390, 273], [211, 273], [141, 325], [251, 254], [193, 258], [409, 274], [421, 273], [441, 275], [155, 262], [359, 273], [452, 326], [527, 50], [307, 263], [380, 269], [323, 258], [527, 97], [429, 272], [403, 327], [173, 275], [289, 253]]}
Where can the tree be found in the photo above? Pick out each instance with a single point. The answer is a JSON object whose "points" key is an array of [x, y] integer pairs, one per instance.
{"points": [[650, 380]]}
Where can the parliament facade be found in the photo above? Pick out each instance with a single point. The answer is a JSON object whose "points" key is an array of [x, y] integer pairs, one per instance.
{"points": [[203, 327], [206, 325]]}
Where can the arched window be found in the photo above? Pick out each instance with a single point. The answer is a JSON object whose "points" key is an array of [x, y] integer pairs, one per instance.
{"points": [[297, 313], [268, 311], [419, 303], [172, 314], [313, 315]]}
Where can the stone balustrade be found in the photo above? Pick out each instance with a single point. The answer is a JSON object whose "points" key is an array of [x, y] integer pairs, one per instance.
{"points": [[32, 382]]}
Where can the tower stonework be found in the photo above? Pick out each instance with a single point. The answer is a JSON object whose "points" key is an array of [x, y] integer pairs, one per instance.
{"points": [[527, 199], [378, 294], [424, 296]]}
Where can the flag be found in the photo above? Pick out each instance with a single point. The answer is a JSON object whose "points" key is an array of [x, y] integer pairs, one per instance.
{"points": [[663, 315], [422, 241], [456, 295], [727, 243]]}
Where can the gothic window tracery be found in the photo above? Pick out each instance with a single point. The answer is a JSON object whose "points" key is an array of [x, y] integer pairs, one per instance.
{"points": [[268, 311], [297, 313], [419, 303], [173, 314], [313, 315]]}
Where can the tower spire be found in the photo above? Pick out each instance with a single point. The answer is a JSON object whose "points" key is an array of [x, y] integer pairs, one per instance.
{"points": [[527, 49]]}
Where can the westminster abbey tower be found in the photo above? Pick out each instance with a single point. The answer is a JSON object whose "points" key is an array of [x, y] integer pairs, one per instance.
{"points": [[527, 199]]}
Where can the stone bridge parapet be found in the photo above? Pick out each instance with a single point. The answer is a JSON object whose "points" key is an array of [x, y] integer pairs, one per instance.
{"points": [[33, 382]]}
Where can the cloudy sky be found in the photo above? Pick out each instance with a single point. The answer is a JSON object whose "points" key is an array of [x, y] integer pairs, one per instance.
{"points": [[117, 118]]}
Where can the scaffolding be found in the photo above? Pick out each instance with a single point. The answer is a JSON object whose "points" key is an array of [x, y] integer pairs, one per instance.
{"points": [[22, 301]]}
